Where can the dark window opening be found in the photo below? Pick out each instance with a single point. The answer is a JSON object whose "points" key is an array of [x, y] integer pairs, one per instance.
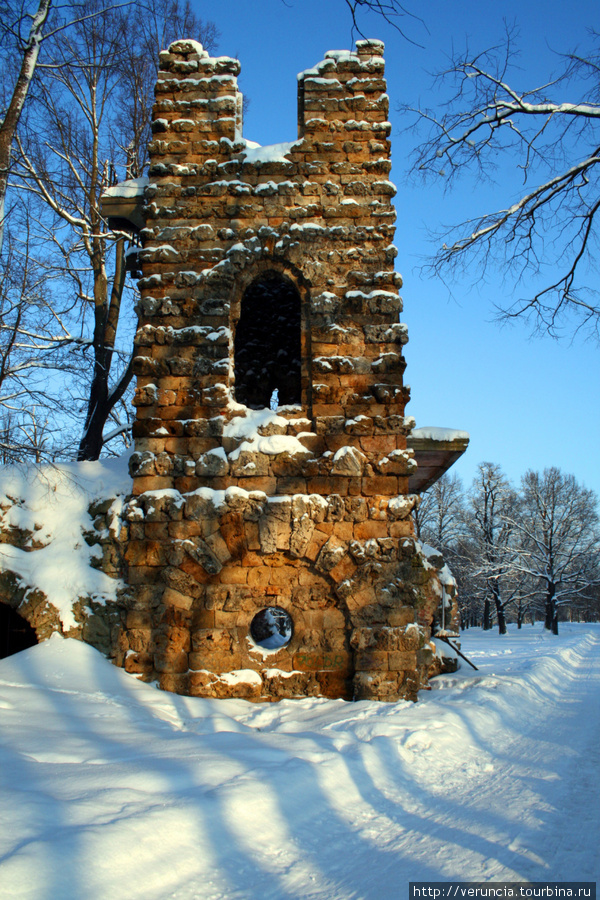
{"points": [[268, 344], [15, 633], [272, 628]]}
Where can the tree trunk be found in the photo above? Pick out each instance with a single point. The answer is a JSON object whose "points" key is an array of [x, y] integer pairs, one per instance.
{"points": [[550, 610], [487, 623], [99, 408], [90, 445], [106, 318], [499, 608], [501, 620], [9, 123]]}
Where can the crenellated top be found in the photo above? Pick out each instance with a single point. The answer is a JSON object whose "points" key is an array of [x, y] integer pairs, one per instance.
{"points": [[268, 277]]}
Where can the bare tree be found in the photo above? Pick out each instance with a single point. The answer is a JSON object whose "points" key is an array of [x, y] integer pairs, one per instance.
{"points": [[492, 502], [439, 517], [559, 540], [551, 136], [24, 26], [26, 50], [391, 11], [35, 342], [78, 138]]}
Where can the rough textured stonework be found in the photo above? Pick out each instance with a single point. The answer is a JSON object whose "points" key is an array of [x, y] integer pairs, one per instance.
{"points": [[268, 277]]}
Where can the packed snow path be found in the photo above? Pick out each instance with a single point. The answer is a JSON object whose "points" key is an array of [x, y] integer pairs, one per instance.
{"points": [[112, 789]]}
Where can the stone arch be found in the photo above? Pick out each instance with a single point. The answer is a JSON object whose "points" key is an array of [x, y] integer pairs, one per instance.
{"points": [[16, 633], [271, 337]]}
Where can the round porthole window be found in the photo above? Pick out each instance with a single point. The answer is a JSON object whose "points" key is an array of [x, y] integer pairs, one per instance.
{"points": [[272, 628]]}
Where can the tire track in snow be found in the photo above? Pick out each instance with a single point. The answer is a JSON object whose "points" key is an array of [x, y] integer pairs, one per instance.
{"points": [[551, 783]]}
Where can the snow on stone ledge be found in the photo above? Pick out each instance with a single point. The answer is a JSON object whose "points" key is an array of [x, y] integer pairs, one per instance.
{"points": [[435, 433], [254, 153], [133, 187], [249, 425]]}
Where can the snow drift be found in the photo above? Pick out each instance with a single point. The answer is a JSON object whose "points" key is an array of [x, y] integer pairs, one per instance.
{"points": [[113, 789]]}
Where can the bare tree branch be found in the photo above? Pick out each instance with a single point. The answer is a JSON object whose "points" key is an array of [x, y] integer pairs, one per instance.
{"points": [[550, 232]]}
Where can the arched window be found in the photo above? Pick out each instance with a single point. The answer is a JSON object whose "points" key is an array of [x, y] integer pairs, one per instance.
{"points": [[267, 344]]}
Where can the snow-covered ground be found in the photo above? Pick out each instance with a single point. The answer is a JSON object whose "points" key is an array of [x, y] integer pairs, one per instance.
{"points": [[112, 789]]}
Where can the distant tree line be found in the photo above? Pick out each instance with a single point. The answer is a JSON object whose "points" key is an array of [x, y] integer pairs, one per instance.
{"points": [[518, 554]]}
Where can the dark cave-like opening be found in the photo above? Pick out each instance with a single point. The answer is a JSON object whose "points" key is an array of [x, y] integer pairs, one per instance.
{"points": [[268, 344], [15, 633]]}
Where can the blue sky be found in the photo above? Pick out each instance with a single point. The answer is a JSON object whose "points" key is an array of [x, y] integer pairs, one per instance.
{"points": [[526, 402]]}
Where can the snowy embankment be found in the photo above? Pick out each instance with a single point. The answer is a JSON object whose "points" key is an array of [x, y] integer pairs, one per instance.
{"points": [[49, 509], [113, 789]]}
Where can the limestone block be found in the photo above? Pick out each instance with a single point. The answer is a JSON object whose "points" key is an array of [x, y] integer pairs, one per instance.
{"points": [[373, 686], [218, 546], [398, 462], [342, 570], [360, 425], [402, 660], [388, 363], [368, 638], [291, 464], [233, 575], [233, 532], [199, 507], [164, 464], [249, 463], [330, 424], [243, 690], [213, 463], [210, 640], [239, 598], [182, 582], [302, 525], [268, 527], [336, 508], [410, 637], [279, 683], [386, 485], [139, 663], [387, 549], [372, 528], [348, 461], [171, 661], [362, 551], [371, 661], [388, 393], [201, 553], [172, 597], [401, 507], [161, 505], [215, 396], [331, 553]]}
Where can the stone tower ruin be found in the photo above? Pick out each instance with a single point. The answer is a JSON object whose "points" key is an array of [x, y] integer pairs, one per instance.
{"points": [[271, 549]]}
